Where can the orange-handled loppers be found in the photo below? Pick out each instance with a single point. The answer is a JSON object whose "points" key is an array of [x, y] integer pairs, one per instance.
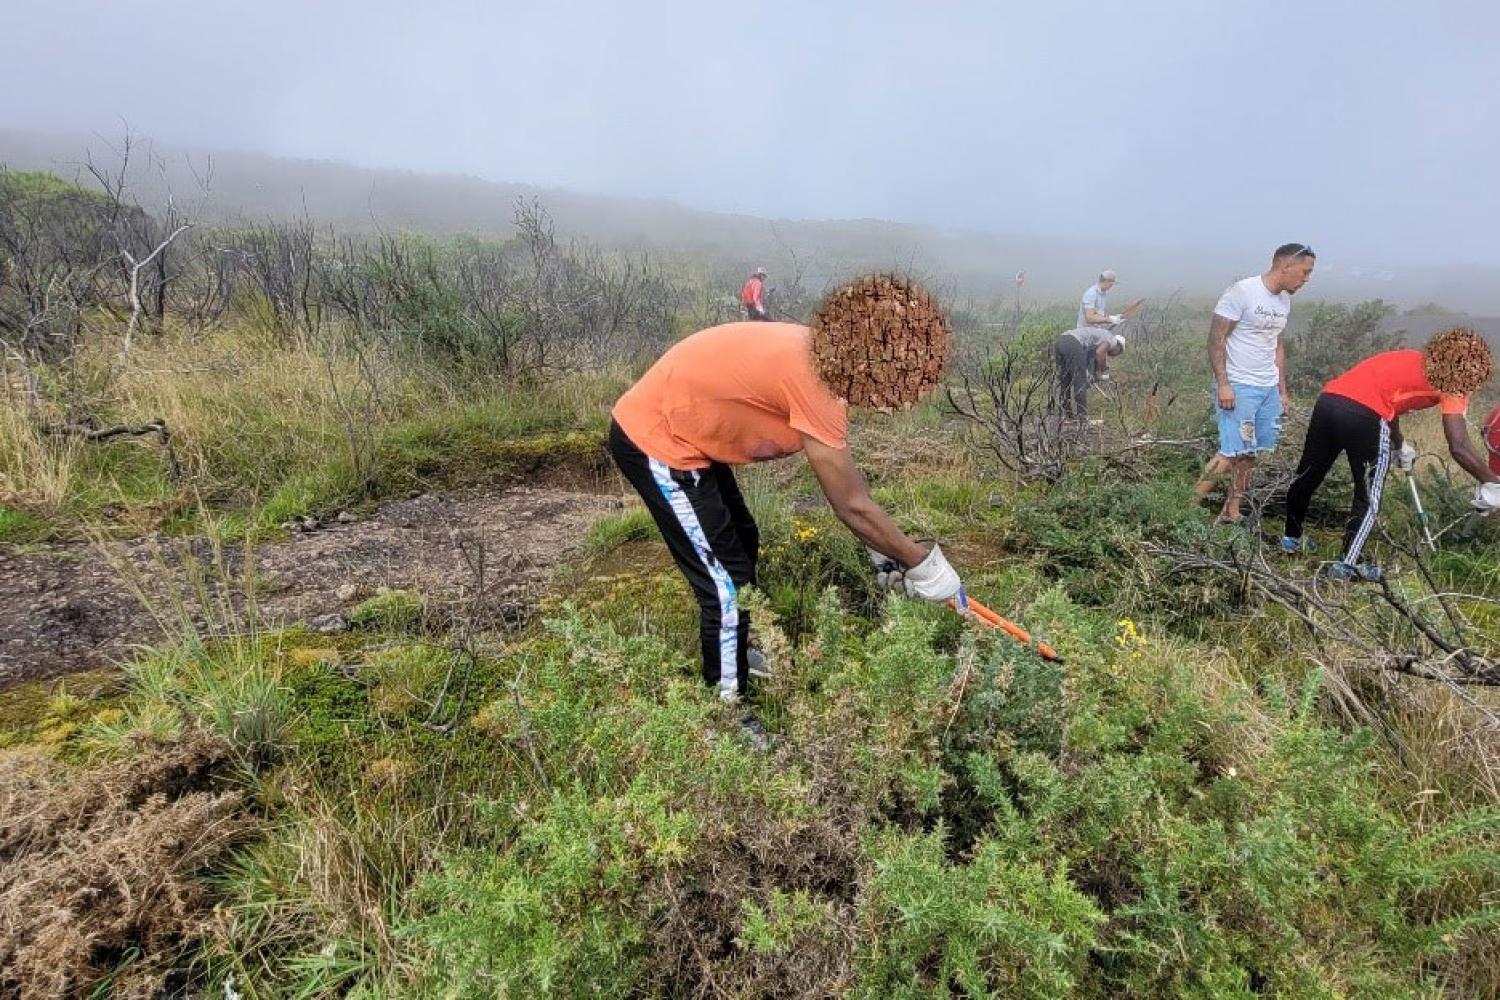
{"points": [[1010, 628]]}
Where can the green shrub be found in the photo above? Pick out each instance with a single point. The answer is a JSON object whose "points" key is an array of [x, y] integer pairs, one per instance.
{"points": [[18, 527], [945, 813], [307, 493], [990, 926], [784, 921], [405, 679], [612, 532], [117, 733], [1330, 338], [232, 688], [1090, 528], [391, 611]]}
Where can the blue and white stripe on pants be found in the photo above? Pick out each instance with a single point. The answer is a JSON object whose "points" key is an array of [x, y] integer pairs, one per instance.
{"points": [[729, 612]]}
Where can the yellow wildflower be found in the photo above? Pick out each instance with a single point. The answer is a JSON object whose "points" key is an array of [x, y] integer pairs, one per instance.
{"points": [[1130, 638]]}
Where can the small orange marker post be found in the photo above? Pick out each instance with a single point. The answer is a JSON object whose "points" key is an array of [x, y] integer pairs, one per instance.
{"points": [[1010, 628]]}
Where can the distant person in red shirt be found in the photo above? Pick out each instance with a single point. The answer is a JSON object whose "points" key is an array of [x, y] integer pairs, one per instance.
{"points": [[1359, 413], [1492, 438], [752, 296]]}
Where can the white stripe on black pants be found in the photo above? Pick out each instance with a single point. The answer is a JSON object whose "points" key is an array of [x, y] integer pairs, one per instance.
{"points": [[1339, 424], [714, 541]]}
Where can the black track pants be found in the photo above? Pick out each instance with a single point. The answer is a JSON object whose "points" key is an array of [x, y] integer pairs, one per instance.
{"points": [[1342, 425], [1072, 357], [713, 539]]}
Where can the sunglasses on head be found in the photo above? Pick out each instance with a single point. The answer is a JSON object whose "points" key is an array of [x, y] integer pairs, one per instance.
{"points": [[1303, 250]]}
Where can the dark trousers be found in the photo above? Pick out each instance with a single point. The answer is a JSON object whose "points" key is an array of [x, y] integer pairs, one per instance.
{"points": [[1341, 425], [756, 312], [714, 541], [1072, 359]]}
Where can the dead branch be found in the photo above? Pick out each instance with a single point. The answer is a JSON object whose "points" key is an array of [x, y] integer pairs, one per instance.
{"points": [[1013, 403], [87, 432], [135, 281]]}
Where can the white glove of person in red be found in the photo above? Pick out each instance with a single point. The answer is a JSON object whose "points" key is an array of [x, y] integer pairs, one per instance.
{"points": [[1406, 457]]}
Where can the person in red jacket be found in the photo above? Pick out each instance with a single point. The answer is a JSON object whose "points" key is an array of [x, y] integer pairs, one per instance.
{"points": [[1492, 438], [1359, 413], [752, 296]]}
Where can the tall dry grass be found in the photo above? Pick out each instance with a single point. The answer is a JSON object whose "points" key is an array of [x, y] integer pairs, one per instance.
{"points": [[254, 424]]}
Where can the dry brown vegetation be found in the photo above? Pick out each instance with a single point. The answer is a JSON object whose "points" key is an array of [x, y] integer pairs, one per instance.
{"points": [[99, 866]]}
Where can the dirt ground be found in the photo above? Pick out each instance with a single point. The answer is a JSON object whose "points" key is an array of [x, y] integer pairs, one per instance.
{"points": [[75, 606]]}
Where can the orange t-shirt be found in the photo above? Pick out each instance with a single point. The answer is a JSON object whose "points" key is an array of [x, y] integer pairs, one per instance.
{"points": [[1394, 383], [737, 393]]}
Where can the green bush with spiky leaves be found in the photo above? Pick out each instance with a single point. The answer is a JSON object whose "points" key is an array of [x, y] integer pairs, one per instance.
{"points": [[945, 812]]}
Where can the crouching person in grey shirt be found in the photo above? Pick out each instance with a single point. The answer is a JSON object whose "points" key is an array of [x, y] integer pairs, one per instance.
{"points": [[1079, 354]]}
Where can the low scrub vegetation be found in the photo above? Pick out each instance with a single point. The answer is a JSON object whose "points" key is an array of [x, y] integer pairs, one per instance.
{"points": [[944, 813], [1227, 790]]}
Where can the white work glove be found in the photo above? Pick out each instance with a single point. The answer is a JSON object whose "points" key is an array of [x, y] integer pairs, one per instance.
{"points": [[933, 579], [888, 572], [1486, 498], [1115, 319], [1101, 377], [1406, 457]]}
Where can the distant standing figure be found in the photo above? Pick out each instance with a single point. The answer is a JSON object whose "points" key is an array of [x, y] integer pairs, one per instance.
{"points": [[752, 296], [1248, 361], [1079, 353], [1091, 309]]}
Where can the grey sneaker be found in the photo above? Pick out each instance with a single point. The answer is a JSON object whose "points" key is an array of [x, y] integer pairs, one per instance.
{"points": [[756, 733], [759, 667], [1368, 572]]}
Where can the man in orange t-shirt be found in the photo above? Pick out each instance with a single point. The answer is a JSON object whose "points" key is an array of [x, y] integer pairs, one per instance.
{"points": [[752, 296], [731, 395], [1359, 413]]}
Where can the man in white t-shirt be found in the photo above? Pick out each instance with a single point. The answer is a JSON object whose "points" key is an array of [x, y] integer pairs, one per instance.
{"points": [[1091, 309], [1249, 364]]}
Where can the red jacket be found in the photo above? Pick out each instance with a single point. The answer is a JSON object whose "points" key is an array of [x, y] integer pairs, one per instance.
{"points": [[1492, 438], [750, 294], [1393, 383]]}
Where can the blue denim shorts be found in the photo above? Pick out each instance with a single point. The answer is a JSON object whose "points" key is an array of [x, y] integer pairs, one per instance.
{"points": [[1252, 425]]}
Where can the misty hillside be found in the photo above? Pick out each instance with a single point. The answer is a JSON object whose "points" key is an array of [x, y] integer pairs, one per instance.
{"points": [[243, 185]]}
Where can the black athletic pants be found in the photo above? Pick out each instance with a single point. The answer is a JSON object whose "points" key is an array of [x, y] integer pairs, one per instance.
{"points": [[715, 542], [1072, 357], [1342, 425], [751, 312]]}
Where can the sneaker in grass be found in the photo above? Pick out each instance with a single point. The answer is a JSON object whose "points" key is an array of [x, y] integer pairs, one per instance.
{"points": [[756, 733], [1367, 572]]}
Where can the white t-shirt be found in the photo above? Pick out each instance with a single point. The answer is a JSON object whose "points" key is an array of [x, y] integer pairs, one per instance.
{"points": [[1093, 298], [1259, 317]]}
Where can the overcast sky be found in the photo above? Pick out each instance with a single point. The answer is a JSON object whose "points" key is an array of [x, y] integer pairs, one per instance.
{"points": [[1367, 129]]}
